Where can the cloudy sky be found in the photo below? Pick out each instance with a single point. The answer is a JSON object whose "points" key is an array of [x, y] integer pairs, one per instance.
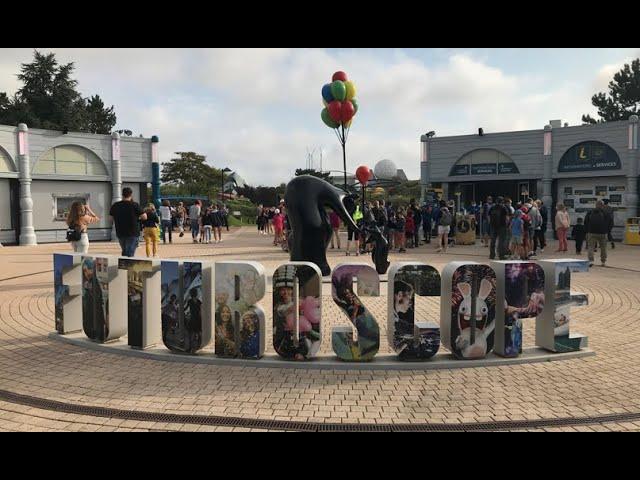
{"points": [[258, 111]]}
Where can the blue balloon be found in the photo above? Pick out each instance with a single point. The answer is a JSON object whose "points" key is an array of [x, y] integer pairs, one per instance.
{"points": [[326, 93]]}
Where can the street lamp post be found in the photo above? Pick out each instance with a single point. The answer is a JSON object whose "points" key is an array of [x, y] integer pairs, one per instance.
{"points": [[222, 184]]}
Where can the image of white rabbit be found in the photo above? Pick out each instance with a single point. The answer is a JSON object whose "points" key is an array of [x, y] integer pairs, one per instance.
{"points": [[477, 349]]}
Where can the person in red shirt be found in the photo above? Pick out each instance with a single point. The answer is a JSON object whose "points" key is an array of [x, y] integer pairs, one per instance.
{"points": [[409, 227], [334, 219], [278, 227]]}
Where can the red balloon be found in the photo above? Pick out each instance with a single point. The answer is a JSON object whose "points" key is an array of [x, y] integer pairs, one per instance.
{"points": [[362, 174], [347, 112], [335, 111], [339, 76]]}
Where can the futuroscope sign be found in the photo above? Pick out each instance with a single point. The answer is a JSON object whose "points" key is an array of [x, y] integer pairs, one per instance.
{"points": [[187, 304]]}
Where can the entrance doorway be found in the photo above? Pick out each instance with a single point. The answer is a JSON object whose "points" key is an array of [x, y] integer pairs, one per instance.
{"points": [[479, 191]]}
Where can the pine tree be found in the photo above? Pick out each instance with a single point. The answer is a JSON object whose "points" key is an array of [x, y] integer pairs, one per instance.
{"points": [[623, 98], [48, 99]]}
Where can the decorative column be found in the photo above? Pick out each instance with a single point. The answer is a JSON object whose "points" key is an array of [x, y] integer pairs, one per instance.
{"points": [[424, 167], [633, 156], [116, 176], [547, 177], [155, 172], [27, 232]]}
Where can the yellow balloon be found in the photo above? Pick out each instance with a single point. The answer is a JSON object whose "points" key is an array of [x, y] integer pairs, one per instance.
{"points": [[348, 124], [351, 89], [324, 102]]}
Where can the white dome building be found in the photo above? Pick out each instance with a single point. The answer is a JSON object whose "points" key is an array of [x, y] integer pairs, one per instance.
{"points": [[385, 170]]}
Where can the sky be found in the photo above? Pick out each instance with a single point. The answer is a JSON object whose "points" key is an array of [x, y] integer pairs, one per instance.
{"points": [[257, 111]]}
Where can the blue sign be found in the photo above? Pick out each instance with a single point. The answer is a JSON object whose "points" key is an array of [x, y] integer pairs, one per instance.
{"points": [[588, 157]]}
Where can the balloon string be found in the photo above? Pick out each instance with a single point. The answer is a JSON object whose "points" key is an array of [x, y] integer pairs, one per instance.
{"points": [[337, 132]]}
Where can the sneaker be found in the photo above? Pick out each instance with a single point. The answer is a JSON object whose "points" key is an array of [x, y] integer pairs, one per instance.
{"points": [[603, 264], [590, 264], [613, 246]]}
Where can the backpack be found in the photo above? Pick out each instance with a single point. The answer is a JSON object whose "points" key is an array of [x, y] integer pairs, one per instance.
{"points": [[445, 219], [73, 234]]}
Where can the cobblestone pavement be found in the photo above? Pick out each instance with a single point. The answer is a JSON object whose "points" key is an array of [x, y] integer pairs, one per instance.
{"points": [[34, 365]]}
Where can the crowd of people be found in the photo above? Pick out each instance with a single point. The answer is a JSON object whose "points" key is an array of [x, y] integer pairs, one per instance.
{"points": [[519, 232], [510, 231], [130, 220]]}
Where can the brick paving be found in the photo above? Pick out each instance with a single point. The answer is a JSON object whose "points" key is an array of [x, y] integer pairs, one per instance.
{"points": [[33, 364]]}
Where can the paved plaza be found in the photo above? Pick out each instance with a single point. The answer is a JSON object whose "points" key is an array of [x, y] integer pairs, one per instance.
{"points": [[46, 384]]}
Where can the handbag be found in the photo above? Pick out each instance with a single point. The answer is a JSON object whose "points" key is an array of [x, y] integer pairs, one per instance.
{"points": [[73, 234]]}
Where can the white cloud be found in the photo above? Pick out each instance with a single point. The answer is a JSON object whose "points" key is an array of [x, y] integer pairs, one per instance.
{"points": [[257, 110]]}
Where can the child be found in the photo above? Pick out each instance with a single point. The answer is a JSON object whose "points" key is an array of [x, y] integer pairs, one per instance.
{"points": [[278, 227], [410, 228], [579, 233], [151, 231], [207, 223], [517, 229], [400, 229]]}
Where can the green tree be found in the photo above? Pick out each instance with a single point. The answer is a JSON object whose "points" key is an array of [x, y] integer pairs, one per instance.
{"points": [[190, 174], [98, 118], [623, 98], [313, 172], [48, 99]]}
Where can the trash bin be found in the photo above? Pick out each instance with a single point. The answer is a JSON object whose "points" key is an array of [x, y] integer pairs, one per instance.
{"points": [[632, 231]]}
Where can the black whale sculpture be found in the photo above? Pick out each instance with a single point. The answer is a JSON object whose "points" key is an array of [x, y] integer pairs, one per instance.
{"points": [[306, 197]]}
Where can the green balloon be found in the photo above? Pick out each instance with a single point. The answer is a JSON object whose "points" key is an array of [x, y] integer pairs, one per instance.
{"points": [[355, 105], [338, 90], [326, 118]]}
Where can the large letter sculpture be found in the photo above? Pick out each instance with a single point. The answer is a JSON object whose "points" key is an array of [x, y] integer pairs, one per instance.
{"points": [[306, 198], [240, 322], [143, 301], [67, 280], [520, 291], [411, 340], [468, 318], [297, 310], [552, 333], [104, 299], [367, 344], [186, 306]]}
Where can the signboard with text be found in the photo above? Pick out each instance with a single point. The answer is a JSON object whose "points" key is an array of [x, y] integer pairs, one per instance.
{"points": [[588, 157]]}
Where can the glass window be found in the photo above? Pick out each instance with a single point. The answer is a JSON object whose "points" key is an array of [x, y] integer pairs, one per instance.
{"points": [[45, 166], [70, 160], [62, 204], [5, 163]]}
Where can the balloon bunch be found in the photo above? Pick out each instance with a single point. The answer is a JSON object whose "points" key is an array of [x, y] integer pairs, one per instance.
{"points": [[340, 106]]}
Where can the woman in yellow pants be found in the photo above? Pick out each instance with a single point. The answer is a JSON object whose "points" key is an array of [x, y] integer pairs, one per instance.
{"points": [[151, 232]]}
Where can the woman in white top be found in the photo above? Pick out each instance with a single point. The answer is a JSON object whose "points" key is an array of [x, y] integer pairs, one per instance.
{"points": [[563, 222], [165, 219], [80, 217]]}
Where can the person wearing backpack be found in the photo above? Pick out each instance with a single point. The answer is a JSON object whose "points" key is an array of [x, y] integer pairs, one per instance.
{"points": [[498, 228], [444, 227], [79, 218], [598, 225]]}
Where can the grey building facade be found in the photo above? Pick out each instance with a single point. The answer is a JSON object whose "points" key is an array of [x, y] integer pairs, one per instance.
{"points": [[575, 165], [43, 171]]}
